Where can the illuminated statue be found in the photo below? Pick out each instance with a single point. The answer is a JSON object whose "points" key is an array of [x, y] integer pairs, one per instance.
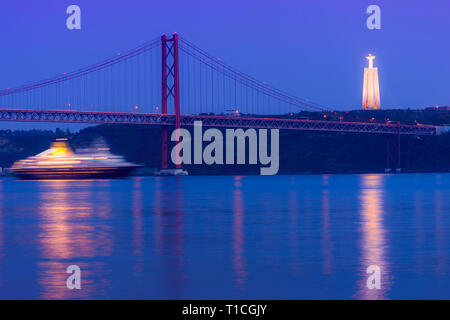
{"points": [[370, 57], [371, 89]]}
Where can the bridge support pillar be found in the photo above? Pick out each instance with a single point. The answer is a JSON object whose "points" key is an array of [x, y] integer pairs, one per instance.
{"points": [[164, 100], [176, 87], [170, 89], [393, 153]]}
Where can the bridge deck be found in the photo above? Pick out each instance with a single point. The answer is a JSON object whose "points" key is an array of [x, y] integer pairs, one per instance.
{"points": [[211, 121]]}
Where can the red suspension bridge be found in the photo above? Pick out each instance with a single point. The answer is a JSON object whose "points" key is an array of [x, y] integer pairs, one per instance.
{"points": [[170, 82]]}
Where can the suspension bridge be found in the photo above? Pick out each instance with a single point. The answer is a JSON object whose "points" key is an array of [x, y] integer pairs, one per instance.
{"points": [[170, 82]]}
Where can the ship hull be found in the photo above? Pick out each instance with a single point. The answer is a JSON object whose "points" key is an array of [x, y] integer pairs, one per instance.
{"points": [[73, 173]]}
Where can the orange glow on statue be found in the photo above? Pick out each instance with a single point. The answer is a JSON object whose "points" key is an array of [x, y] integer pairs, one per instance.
{"points": [[371, 89]]}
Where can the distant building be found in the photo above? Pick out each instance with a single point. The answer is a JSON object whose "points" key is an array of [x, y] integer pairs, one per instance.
{"points": [[371, 89], [232, 112], [439, 108]]}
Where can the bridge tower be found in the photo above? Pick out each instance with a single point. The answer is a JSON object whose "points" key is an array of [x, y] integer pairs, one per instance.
{"points": [[393, 151], [170, 91]]}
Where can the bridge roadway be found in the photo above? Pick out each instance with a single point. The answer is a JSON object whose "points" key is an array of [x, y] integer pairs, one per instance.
{"points": [[95, 117]]}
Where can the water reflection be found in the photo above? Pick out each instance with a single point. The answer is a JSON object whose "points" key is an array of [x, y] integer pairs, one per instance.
{"points": [[373, 235], [439, 232], [169, 236], [226, 237], [1, 233], [100, 204], [238, 234], [138, 232], [68, 237], [327, 245], [294, 234]]}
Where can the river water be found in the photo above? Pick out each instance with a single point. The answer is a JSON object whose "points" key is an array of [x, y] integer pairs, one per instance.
{"points": [[227, 237]]}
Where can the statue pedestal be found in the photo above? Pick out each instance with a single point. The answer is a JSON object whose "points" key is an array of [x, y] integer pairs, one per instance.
{"points": [[371, 89]]}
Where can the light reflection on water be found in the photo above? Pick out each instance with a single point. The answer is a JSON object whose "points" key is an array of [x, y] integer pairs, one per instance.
{"points": [[65, 234], [238, 235], [138, 232], [2, 283], [281, 237], [169, 237], [373, 243], [327, 244]]}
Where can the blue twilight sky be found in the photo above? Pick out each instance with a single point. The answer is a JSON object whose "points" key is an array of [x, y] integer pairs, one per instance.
{"points": [[313, 49]]}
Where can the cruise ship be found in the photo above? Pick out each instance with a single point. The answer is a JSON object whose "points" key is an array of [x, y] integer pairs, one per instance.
{"points": [[61, 162]]}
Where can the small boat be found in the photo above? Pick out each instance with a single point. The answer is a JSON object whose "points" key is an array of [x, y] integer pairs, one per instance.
{"points": [[61, 162]]}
